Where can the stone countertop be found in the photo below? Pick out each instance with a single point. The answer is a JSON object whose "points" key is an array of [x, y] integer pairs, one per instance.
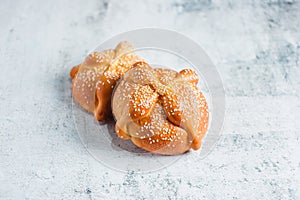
{"points": [[255, 46]]}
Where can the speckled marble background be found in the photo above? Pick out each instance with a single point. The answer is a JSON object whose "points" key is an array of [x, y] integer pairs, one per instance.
{"points": [[256, 47]]}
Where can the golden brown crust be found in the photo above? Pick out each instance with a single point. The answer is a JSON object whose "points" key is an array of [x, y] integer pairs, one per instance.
{"points": [[74, 71], [142, 102], [190, 76], [160, 110], [93, 80]]}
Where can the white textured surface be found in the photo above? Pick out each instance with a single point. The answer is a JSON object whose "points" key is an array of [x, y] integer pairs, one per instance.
{"points": [[256, 47]]}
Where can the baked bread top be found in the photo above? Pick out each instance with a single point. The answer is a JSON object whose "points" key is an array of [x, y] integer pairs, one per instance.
{"points": [[160, 110], [95, 78]]}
